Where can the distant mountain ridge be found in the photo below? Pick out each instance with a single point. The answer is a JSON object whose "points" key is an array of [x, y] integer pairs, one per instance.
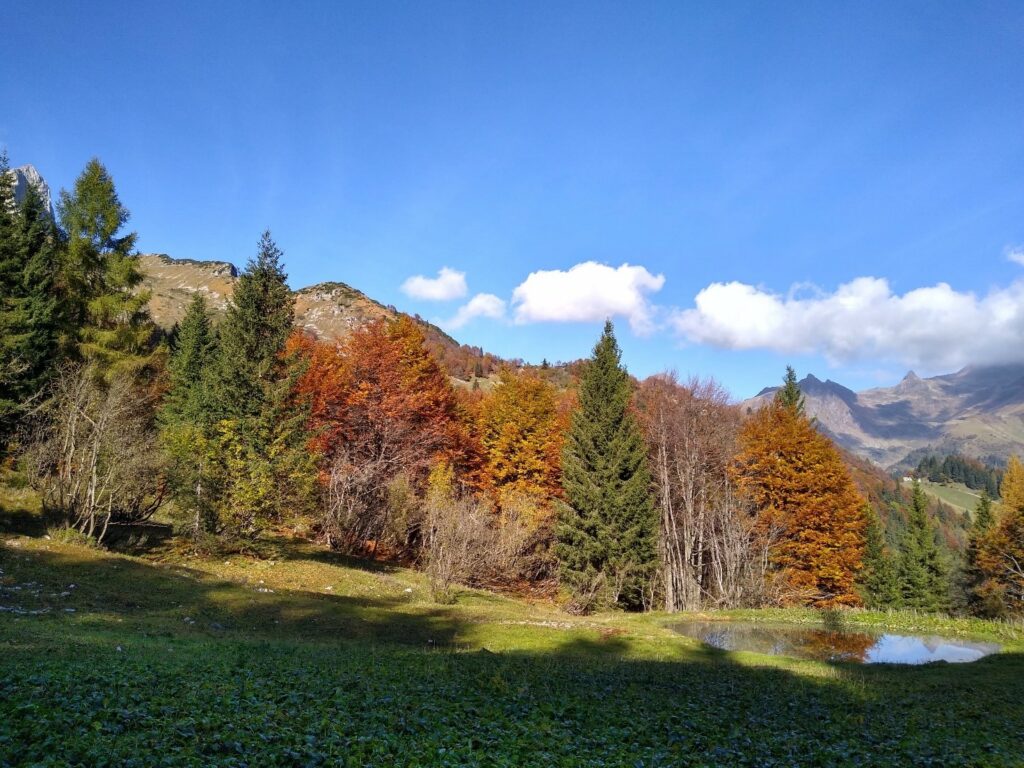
{"points": [[977, 411]]}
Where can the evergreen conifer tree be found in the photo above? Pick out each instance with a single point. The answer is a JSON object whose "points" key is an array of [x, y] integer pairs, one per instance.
{"points": [[253, 334], [924, 573], [790, 394], [186, 418], [101, 270], [29, 301], [606, 533], [189, 368], [879, 579], [263, 467]]}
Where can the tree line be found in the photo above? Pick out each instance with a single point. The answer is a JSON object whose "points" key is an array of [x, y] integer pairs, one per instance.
{"points": [[961, 469], [641, 495]]}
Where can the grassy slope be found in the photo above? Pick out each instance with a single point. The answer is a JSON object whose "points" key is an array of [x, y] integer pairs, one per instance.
{"points": [[954, 494], [312, 659]]}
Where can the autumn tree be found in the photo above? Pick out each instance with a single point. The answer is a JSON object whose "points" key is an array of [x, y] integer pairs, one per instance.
{"points": [[381, 412], [607, 530], [1011, 490], [805, 500], [521, 432], [999, 552], [708, 546]]}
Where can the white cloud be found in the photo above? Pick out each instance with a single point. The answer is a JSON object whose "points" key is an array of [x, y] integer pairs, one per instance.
{"points": [[448, 285], [588, 292], [933, 327], [1016, 254], [481, 305]]}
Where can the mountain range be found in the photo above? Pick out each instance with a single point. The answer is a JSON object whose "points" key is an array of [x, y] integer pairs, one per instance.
{"points": [[977, 411]]}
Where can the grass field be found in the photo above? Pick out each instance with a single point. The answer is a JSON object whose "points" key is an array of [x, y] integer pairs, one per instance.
{"points": [[954, 494], [306, 658]]}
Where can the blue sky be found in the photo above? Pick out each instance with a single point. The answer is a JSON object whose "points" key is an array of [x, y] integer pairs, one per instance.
{"points": [[834, 185]]}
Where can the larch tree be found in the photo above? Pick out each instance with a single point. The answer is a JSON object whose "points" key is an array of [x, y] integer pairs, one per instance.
{"points": [[923, 568], [1011, 490], [606, 535], [999, 552], [101, 269], [521, 435], [805, 502]]}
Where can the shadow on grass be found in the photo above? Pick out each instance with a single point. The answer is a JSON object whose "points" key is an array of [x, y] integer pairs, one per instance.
{"points": [[581, 700], [177, 599]]}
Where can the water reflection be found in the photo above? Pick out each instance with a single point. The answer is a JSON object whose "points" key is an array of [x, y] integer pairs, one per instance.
{"points": [[832, 644]]}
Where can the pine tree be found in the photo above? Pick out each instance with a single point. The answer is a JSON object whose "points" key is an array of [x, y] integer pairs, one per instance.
{"points": [[102, 273], [923, 571], [29, 301], [790, 394], [606, 534], [253, 334], [879, 579]]}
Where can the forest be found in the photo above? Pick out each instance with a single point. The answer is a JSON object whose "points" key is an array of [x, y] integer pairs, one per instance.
{"points": [[600, 490]]}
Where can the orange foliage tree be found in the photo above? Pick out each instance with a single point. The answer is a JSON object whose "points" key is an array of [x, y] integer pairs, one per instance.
{"points": [[806, 502], [999, 557], [381, 412], [522, 430]]}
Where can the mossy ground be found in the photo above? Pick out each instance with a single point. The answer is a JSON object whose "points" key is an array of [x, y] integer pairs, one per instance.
{"points": [[303, 657]]}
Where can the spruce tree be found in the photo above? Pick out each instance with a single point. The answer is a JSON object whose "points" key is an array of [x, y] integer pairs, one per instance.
{"points": [[101, 269], [263, 467], [924, 573], [194, 350], [790, 394], [29, 302], [606, 532], [187, 418], [253, 334], [879, 579]]}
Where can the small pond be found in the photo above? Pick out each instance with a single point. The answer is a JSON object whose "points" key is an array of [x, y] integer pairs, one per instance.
{"points": [[832, 643]]}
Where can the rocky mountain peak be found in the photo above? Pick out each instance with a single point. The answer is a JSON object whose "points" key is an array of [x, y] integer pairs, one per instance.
{"points": [[26, 176]]}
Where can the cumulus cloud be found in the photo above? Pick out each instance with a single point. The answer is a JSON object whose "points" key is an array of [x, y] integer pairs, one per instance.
{"points": [[934, 326], [588, 292], [1016, 254], [448, 285], [482, 305]]}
